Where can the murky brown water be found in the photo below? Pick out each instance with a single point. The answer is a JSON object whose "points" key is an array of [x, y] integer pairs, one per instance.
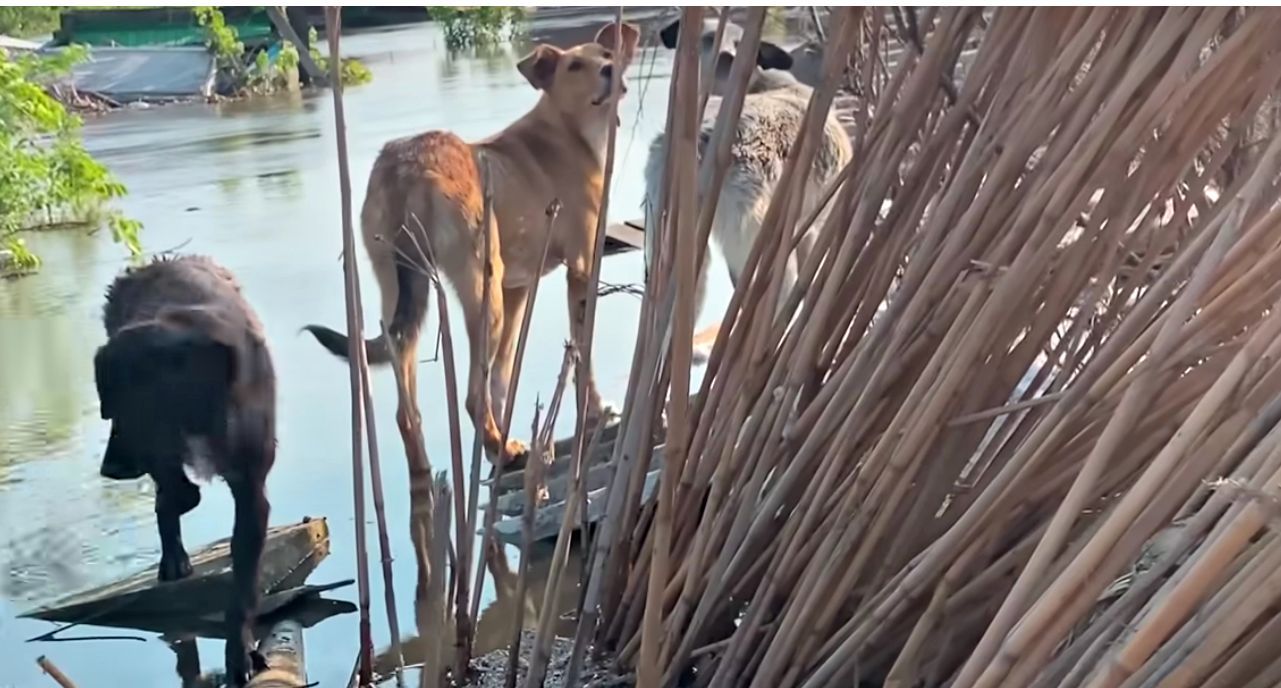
{"points": [[254, 184]]}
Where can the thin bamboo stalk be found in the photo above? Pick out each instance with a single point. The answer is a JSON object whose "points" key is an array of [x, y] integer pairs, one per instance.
{"points": [[681, 226], [488, 242], [535, 480], [588, 618], [52, 670], [422, 519], [333, 22]]}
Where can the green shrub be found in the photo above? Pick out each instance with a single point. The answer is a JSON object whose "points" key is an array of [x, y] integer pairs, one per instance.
{"points": [[467, 27], [46, 175], [288, 57], [353, 72], [222, 39], [28, 21]]}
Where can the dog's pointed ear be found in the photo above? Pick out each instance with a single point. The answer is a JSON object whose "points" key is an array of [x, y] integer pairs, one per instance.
{"points": [[669, 34], [539, 67], [771, 56], [629, 34]]}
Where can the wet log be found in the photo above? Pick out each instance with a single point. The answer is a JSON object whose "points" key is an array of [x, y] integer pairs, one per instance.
{"points": [[283, 651], [291, 553]]}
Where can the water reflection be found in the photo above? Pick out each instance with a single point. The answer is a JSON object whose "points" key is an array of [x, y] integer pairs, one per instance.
{"points": [[254, 184], [497, 617], [480, 62]]}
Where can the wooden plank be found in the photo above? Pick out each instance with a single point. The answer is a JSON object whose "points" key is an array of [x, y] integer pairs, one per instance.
{"points": [[547, 519], [291, 552], [624, 236], [563, 450], [510, 492], [303, 604], [557, 489]]}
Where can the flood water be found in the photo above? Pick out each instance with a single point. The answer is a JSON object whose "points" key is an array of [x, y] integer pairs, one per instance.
{"points": [[254, 184]]}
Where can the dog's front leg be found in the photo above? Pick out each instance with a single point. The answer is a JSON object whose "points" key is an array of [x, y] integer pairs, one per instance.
{"points": [[247, 539], [579, 284], [514, 301], [175, 496]]}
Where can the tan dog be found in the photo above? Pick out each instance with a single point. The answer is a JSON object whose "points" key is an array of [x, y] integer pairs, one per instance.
{"points": [[425, 197]]}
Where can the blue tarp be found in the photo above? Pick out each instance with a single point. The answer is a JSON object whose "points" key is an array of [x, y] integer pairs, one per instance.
{"points": [[130, 74]]}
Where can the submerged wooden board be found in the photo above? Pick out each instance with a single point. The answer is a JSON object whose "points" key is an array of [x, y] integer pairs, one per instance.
{"points": [[291, 553], [511, 498], [624, 237]]}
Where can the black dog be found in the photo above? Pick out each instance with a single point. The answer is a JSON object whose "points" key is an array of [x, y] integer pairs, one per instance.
{"points": [[186, 379]]}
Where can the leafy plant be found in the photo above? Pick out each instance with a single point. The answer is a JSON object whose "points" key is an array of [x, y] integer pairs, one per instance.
{"points": [[264, 76], [288, 57], [28, 21], [222, 39], [467, 27], [46, 175], [353, 72]]}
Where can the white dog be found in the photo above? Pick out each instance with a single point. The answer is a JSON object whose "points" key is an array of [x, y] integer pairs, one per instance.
{"points": [[771, 120]]}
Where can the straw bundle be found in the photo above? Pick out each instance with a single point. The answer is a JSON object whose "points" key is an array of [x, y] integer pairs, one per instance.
{"points": [[1040, 317]]}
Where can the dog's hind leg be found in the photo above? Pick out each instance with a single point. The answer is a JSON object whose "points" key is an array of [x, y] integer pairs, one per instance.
{"points": [[175, 496], [247, 539], [403, 320]]}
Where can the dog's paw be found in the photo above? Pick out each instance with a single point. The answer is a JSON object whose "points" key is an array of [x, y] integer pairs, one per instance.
{"points": [[516, 452], [175, 568]]}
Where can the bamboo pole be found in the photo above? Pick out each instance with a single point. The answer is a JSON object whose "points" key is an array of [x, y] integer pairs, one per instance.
{"points": [[535, 481], [53, 672], [970, 267], [588, 614], [356, 352]]}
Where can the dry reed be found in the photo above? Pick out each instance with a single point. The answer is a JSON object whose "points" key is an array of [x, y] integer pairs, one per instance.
{"points": [[981, 443], [53, 672], [356, 357], [972, 417]]}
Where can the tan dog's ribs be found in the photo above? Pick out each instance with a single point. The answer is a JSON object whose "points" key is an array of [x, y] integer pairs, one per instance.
{"points": [[448, 166]]}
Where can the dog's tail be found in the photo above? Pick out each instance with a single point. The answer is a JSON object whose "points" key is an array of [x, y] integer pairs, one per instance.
{"points": [[376, 350], [403, 286]]}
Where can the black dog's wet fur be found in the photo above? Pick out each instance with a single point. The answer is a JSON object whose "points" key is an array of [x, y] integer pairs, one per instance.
{"points": [[186, 359]]}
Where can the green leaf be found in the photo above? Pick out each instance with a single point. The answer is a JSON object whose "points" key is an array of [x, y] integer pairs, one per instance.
{"points": [[46, 175]]}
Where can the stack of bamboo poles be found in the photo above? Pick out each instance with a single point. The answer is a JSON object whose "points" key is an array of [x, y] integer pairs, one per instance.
{"points": [[968, 423], [976, 446]]}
